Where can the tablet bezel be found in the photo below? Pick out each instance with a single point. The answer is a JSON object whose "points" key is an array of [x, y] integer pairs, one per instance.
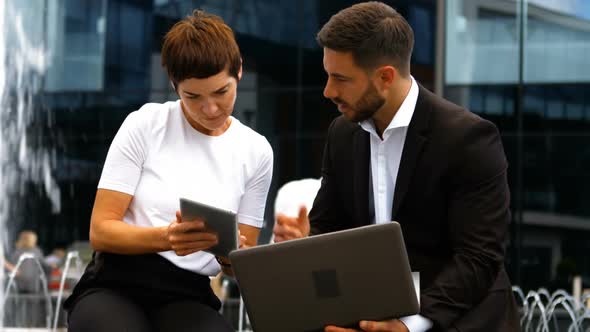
{"points": [[222, 222]]}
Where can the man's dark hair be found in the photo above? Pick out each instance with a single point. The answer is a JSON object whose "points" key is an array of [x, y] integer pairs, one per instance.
{"points": [[375, 33]]}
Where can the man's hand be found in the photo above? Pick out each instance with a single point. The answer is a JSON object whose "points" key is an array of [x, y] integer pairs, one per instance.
{"points": [[394, 325], [186, 238], [289, 228]]}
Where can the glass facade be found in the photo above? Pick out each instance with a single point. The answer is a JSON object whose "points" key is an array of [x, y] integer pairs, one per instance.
{"points": [[105, 63], [521, 67]]}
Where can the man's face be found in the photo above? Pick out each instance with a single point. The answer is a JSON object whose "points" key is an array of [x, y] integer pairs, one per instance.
{"points": [[349, 87], [208, 102]]}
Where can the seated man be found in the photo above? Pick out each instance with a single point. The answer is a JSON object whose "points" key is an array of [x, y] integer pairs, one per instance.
{"points": [[399, 152]]}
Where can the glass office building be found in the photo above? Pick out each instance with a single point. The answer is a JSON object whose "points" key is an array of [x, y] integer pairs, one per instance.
{"points": [[522, 65]]}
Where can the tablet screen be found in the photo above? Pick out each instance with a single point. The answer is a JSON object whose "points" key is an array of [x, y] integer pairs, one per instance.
{"points": [[219, 221]]}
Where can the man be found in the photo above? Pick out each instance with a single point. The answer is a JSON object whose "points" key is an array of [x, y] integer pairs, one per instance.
{"points": [[398, 152]]}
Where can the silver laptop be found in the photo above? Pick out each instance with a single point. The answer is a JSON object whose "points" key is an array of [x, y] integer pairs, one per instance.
{"points": [[337, 278]]}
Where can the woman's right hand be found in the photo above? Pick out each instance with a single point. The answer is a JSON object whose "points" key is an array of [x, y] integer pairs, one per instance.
{"points": [[187, 237]]}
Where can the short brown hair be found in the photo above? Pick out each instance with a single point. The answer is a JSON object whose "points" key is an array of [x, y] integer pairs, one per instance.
{"points": [[375, 33], [200, 46]]}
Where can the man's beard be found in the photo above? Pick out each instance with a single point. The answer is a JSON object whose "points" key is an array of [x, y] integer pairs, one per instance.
{"points": [[365, 107]]}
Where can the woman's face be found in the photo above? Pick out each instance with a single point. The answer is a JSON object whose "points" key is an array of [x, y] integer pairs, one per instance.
{"points": [[208, 102]]}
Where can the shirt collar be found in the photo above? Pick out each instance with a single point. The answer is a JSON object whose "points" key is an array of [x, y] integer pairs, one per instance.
{"points": [[402, 117]]}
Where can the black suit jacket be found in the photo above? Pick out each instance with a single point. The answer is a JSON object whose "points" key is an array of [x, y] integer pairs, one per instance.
{"points": [[452, 201]]}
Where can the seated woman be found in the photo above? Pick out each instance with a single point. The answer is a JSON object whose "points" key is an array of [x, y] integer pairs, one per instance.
{"points": [[149, 272]]}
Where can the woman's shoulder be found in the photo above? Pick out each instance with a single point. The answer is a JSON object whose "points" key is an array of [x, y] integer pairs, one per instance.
{"points": [[250, 136], [151, 114], [153, 110]]}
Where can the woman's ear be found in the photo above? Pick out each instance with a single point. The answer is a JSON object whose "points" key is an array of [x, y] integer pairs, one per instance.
{"points": [[240, 71]]}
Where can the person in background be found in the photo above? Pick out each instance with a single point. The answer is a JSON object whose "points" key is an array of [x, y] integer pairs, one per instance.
{"points": [[149, 271], [399, 152], [56, 258], [28, 274]]}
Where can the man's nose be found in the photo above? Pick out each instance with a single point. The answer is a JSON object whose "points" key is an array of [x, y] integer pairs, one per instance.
{"points": [[329, 91]]}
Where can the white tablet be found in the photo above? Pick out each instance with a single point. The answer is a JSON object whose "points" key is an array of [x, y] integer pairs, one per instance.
{"points": [[219, 221]]}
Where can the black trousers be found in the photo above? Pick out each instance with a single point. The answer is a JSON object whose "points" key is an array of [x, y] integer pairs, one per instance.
{"points": [[142, 293], [108, 310]]}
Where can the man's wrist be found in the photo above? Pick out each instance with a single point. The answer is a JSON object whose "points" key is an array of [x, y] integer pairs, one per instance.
{"points": [[416, 323]]}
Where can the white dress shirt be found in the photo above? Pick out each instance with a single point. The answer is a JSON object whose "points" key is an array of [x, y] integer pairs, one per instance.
{"points": [[385, 159]]}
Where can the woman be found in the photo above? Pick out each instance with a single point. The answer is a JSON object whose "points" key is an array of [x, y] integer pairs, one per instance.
{"points": [[149, 272]]}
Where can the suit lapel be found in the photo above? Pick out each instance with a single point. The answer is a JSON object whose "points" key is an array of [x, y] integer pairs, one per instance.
{"points": [[413, 145], [361, 157]]}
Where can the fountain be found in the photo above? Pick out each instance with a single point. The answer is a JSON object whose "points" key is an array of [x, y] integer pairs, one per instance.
{"points": [[75, 256], [24, 157], [48, 305]]}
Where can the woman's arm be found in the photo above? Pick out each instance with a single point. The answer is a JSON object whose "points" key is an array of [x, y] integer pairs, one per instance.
{"points": [[109, 233], [251, 233], [248, 238], [253, 203]]}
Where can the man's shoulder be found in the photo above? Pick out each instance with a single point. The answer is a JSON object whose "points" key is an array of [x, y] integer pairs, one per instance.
{"points": [[341, 126], [449, 117]]}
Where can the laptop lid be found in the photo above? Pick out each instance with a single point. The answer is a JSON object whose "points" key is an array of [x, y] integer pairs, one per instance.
{"points": [[337, 278]]}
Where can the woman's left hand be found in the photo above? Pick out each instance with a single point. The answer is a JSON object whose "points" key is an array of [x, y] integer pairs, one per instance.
{"points": [[225, 262], [243, 243], [247, 240]]}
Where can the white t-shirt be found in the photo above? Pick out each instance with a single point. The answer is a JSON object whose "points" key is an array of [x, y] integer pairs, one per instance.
{"points": [[158, 157]]}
